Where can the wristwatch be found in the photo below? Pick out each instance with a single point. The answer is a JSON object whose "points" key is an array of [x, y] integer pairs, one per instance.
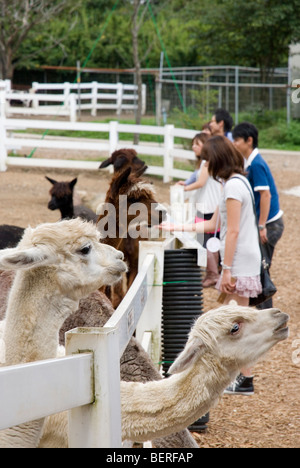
{"points": [[261, 227]]}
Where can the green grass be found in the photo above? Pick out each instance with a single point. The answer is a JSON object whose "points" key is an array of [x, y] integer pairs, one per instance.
{"points": [[274, 132]]}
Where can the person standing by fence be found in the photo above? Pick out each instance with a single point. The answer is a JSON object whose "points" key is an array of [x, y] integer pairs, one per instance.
{"points": [[206, 195], [269, 214], [240, 251], [221, 124]]}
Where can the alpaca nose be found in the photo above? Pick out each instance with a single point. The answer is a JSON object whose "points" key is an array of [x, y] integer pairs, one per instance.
{"points": [[278, 313]]}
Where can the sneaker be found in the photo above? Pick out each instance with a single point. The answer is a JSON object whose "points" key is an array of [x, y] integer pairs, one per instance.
{"points": [[241, 386]]}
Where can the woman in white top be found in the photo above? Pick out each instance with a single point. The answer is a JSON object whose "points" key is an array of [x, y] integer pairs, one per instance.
{"points": [[207, 190], [206, 193], [240, 252]]}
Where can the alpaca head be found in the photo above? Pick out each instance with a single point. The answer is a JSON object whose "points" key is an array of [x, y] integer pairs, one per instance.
{"points": [[133, 204], [236, 337], [123, 158], [72, 254], [61, 194]]}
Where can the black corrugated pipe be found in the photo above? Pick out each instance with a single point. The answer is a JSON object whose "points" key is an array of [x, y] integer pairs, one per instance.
{"points": [[182, 304]]}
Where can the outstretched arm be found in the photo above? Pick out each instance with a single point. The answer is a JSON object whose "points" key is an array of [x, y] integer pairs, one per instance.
{"points": [[205, 226]]}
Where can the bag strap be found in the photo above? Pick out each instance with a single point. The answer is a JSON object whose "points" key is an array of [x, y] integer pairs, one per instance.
{"points": [[253, 205]]}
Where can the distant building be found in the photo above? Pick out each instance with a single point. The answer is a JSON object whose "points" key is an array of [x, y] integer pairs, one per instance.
{"points": [[294, 66]]}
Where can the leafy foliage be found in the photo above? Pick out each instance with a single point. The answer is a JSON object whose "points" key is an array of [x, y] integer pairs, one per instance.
{"points": [[198, 32]]}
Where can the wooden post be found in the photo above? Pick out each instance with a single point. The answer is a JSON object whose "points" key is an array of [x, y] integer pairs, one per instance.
{"points": [[72, 107], [3, 151], [168, 158], [97, 425], [113, 136], [119, 96], [150, 320], [94, 98]]}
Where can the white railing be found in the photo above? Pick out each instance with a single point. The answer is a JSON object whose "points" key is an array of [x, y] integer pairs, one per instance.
{"points": [[31, 104], [166, 149], [88, 384], [5, 85], [73, 98]]}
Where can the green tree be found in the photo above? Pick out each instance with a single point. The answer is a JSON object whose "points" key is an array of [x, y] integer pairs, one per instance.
{"points": [[18, 19], [254, 33]]}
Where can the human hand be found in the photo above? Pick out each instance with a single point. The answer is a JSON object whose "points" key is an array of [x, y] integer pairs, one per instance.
{"points": [[167, 226], [228, 283], [263, 236]]}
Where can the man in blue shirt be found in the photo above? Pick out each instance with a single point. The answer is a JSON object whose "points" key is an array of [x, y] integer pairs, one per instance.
{"points": [[269, 214], [221, 123]]}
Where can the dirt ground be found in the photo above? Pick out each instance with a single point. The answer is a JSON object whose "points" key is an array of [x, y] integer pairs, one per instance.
{"points": [[270, 418]]}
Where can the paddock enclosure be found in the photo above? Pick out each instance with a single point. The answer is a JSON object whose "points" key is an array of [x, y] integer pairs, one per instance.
{"points": [[271, 417]]}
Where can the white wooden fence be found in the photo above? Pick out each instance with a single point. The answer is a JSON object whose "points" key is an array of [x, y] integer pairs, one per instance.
{"points": [[5, 85], [72, 98], [167, 149], [87, 381]]}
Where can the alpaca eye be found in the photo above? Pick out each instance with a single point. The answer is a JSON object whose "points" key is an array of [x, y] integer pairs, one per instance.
{"points": [[85, 250], [235, 329]]}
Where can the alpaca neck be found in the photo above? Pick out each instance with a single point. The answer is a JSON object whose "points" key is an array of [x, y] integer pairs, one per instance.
{"points": [[36, 311], [167, 406], [67, 211]]}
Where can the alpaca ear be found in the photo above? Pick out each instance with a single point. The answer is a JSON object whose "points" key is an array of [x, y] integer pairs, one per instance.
{"points": [[15, 259], [73, 183], [106, 163], [52, 181], [192, 351]]}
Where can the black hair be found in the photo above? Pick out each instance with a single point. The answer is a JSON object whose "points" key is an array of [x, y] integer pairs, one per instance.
{"points": [[245, 130], [223, 114]]}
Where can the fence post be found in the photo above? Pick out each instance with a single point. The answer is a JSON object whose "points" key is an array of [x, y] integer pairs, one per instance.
{"points": [[8, 86], [168, 158], [94, 98], [97, 425], [3, 151], [113, 136], [237, 89], [34, 90], [150, 320], [72, 107], [144, 98], [67, 90], [120, 91]]}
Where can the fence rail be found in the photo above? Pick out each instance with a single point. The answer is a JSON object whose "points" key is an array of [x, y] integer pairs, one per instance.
{"points": [[168, 150], [73, 98]]}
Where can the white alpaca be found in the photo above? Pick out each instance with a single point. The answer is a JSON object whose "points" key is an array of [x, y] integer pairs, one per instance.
{"points": [[221, 342], [57, 264]]}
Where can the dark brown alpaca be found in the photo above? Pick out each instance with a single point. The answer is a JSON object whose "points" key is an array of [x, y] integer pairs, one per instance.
{"points": [[123, 158], [61, 195], [125, 225]]}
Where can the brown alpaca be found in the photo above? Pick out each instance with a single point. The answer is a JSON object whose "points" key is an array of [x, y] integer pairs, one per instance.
{"points": [[126, 189], [123, 158]]}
